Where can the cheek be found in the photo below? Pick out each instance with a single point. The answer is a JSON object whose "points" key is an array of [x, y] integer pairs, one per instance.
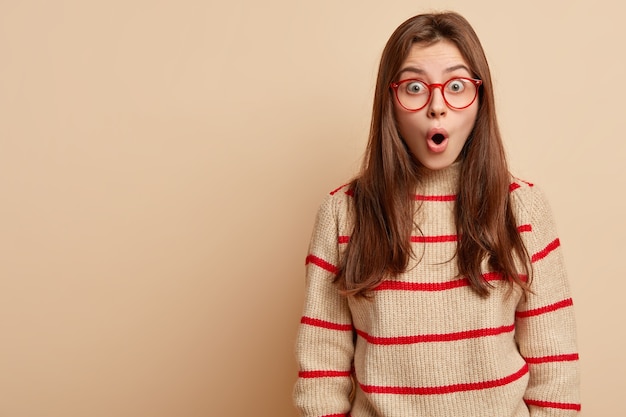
{"points": [[407, 124], [470, 119]]}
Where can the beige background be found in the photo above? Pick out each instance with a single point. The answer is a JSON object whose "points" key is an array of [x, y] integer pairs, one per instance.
{"points": [[161, 163]]}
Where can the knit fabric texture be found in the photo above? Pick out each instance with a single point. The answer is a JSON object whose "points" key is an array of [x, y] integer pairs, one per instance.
{"points": [[425, 344]]}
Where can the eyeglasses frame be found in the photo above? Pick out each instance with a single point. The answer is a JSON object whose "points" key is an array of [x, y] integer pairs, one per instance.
{"points": [[394, 86]]}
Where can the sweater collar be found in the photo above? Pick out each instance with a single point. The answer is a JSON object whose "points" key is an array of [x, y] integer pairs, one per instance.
{"points": [[441, 182]]}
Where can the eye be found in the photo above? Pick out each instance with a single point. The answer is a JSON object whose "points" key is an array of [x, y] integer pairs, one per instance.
{"points": [[456, 85], [416, 87]]}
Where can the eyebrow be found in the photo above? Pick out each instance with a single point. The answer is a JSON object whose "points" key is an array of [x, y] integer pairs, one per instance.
{"points": [[447, 70]]}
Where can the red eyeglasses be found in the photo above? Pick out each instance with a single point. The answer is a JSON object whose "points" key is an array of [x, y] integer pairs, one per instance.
{"points": [[458, 93]]}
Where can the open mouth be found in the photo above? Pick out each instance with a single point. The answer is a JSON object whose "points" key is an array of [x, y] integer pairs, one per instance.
{"points": [[438, 138]]}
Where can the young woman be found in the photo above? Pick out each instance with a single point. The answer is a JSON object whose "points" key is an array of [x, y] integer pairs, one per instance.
{"points": [[435, 280]]}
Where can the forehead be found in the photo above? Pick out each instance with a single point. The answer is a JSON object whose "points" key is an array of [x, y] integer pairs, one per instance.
{"points": [[434, 58]]}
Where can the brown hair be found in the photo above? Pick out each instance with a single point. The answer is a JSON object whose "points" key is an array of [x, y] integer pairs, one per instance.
{"points": [[384, 206]]}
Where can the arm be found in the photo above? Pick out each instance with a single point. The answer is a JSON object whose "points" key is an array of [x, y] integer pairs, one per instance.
{"points": [[324, 348], [545, 326]]}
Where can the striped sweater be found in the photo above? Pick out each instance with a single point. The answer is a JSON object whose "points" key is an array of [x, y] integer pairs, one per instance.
{"points": [[425, 344]]}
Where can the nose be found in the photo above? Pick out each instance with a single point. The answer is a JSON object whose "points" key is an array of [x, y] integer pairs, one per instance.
{"points": [[437, 106]]}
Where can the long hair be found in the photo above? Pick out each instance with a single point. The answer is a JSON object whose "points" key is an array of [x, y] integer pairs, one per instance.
{"points": [[380, 244]]}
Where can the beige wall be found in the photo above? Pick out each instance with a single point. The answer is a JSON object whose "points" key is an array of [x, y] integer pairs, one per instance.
{"points": [[161, 163]]}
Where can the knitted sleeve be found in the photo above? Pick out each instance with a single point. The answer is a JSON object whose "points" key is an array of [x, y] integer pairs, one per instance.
{"points": [[545, 326], [324, 348]]}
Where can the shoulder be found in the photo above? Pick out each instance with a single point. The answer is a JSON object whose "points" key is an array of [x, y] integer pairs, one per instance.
{"points": [[335, 205], [338, 199], [527, 199], [521, 191], [333, 220]]}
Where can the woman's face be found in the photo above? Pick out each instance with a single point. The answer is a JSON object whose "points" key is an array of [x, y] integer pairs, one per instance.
{"points": [[436, 133]]}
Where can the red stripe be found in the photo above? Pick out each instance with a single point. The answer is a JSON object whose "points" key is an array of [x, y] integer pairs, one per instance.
{"points": [[325, 324], [554, 358], [337, 415], [312, 259], [446, 389], [446, 197], [421, 197], [513, 186], [432, 286], [549, 404], [421, 286], [433, 239], [437, 239], [546, 309], [333, 192], [546, 251], [445, 337], [323, 374]]}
